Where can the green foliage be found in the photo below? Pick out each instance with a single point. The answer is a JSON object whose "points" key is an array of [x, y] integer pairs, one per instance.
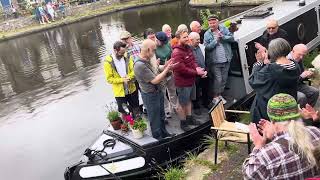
{"points": [[310, 57], [204, 14], [193, 159], [26, 5], [174, 173], [209, 141], [113, 116], [140, 124]]}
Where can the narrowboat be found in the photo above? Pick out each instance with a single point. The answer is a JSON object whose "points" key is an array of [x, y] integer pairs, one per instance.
{"points": [[115, 155]]}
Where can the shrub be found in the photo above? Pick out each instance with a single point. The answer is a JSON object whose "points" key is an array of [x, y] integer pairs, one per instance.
{"points": [[310, 57]]}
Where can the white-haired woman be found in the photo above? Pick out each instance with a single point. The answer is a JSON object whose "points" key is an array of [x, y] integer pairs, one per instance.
{"points": [[293, 150]]}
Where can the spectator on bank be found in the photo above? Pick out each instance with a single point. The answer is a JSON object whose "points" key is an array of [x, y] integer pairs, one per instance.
{"points": [[62, 8], [163, 53], [175, 40], [306, 93], [184, 77], [293, 150], [201, 84], [42, 14], [217, 41], [151, 92], [133, 49], [118, 69], [50, 10], [167, 29], [273, 31], [279, 76], [195, 26]]}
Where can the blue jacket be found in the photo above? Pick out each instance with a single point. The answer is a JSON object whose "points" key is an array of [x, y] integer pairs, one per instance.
{"points": [[210, 43]]}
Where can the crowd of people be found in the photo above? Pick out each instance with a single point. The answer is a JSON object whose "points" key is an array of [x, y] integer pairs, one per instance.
{"points": [[46, 12], [172, 72], [180, 73]]}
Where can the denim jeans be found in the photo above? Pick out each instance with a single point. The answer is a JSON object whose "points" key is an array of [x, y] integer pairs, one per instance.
{"points": [[154, 103], [220, 77]]}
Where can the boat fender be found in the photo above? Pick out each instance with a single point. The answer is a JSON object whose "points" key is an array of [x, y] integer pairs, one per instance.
{"points": [[301, 31]]}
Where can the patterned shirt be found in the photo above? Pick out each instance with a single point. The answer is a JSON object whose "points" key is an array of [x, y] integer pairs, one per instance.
{"points": [[276, 161], [134, 51]]}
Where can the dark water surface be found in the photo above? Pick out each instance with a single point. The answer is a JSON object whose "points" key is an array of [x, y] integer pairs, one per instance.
{"points": [[53, 91]]}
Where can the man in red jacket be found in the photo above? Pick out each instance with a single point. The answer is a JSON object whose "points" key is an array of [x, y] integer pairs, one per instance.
{"points": [[184, 76]]}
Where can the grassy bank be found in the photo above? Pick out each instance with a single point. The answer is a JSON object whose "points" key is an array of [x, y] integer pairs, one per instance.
{"points": [[84, 15]]}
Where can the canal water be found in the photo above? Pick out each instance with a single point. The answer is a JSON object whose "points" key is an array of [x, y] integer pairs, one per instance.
{"points": [[53, 91]]}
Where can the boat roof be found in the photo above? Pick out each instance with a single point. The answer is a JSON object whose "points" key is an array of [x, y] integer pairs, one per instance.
{"points": [[283, 11]]}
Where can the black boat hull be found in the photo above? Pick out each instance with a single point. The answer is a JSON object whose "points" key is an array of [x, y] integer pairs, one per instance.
{"points": [[158, 155]]}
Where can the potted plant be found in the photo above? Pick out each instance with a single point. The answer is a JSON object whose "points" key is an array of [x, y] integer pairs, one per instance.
{"points": [[114, 119], [124, 127], [138, 128]]}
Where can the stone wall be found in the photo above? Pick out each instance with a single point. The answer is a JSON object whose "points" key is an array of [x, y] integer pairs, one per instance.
{"points": [[210, 3], [22, 22]]}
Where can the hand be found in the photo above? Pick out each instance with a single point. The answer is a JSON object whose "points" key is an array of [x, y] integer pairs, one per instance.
{"points": [[204, 75], [306, 74], [171, 65], [265, 128], [258, 140], [126, 79], [260, 56], [309, 112], [200, 71], [259, 46], [158, 61]]}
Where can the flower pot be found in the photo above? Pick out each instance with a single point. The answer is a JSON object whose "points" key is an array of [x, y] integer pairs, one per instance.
{"points": [[137, 134], [116, 124]]}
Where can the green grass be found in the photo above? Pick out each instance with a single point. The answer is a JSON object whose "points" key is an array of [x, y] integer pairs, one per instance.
{"points": [[174, 173]]}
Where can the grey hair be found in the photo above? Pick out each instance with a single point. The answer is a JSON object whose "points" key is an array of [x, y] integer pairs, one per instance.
{"points": [[179, 32], [278, 48]]}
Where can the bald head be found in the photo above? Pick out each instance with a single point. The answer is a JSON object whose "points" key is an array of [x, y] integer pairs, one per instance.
{"points": [[194, 39], [272, 26], [195, 26], [148, 48], [299, 51]]}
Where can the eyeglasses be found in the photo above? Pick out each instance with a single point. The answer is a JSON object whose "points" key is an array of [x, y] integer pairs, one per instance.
{"points": [[272, 27]]}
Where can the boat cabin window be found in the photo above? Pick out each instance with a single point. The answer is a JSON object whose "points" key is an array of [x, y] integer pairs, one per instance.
{"points": [[235, 65]]}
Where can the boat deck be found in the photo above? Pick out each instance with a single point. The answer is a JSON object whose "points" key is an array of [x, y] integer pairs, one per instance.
{"points": [[173, 126]]}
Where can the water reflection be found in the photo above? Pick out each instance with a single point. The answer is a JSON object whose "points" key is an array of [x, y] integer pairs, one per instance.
{"points": [[53, 91]]}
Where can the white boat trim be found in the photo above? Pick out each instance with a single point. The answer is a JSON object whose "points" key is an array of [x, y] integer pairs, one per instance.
{"points": [[115, 167]]}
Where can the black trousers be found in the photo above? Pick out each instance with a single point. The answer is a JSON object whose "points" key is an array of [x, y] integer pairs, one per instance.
{"points": [[131, 99], [202, 89]]}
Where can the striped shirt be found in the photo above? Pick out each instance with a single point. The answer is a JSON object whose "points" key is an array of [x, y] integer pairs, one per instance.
{"points": [[289, 66], [276, 160]]}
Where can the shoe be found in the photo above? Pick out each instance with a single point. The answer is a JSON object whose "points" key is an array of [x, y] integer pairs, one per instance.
{"points": [[192, 121], [197, 111], [168, 135], [224, 101], [184, 126]]}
